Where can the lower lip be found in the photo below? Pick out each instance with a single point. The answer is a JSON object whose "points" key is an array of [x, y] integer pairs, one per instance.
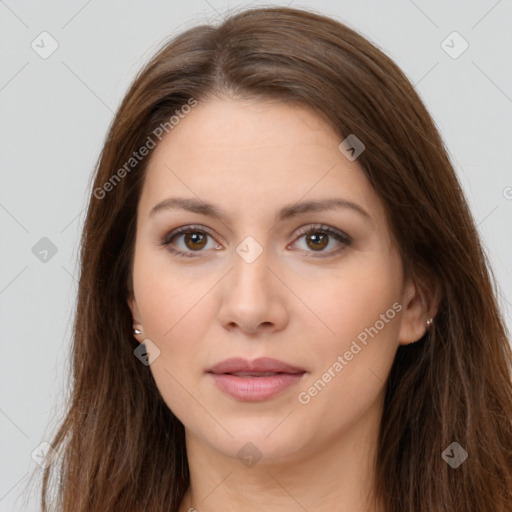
{"points": [[254, 389]]}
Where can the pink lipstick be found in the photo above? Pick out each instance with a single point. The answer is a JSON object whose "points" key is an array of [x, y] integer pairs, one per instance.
{"points": [[257, 380]]}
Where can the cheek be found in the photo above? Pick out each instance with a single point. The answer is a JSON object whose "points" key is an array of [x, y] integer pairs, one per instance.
{"points": [[361, 313], [176, 321], [170, 299], [354, 297]]}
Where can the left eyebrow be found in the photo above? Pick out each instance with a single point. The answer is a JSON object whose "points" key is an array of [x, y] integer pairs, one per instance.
{"points": [[287, 212], [290, 211]]}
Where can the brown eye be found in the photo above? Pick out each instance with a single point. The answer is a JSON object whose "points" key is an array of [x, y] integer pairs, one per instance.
{"points": [[316, 241], [322, 239], [195, 240], [189, 241]]}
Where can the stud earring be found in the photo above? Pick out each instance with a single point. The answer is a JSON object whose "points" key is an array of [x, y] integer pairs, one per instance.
{"points": [[429, 322], [137, 331]]}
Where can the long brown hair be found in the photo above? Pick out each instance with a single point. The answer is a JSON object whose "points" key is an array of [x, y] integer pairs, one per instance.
{"points": [[120, 446]]}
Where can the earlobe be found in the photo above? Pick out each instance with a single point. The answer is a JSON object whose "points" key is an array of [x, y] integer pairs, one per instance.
{"points": [[138, 331], [420, 305]]}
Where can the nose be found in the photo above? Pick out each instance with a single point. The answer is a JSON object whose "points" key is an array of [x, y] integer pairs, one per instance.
{"points": [[253, 298]]}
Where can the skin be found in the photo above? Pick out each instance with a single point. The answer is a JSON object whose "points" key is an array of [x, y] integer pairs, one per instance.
{"points": [[299, 302]]}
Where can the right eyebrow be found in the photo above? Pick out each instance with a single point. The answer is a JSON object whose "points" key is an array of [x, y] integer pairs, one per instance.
{"points": [[192, 205]]}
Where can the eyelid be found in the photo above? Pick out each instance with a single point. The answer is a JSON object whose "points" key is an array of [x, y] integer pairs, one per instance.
{"points": [[185, 229], [304, 230]]}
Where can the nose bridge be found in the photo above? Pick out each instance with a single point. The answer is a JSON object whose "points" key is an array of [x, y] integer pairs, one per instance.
{"points": [[250, 297], [250, 272]]}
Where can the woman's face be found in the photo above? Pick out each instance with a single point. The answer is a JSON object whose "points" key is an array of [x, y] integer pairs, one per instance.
{"points": [[271, 268]]}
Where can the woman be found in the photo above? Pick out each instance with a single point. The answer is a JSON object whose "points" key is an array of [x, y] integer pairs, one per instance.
{"points": [[283, 303]]}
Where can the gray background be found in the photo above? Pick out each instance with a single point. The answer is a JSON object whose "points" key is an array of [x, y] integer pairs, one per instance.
{"points": [[55, 113]]}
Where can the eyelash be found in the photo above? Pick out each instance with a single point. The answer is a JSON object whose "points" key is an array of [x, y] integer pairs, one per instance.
{"points": [[316, 228]]}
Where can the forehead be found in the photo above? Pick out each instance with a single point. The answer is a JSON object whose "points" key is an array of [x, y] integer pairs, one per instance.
{"points": [[253, 154]]}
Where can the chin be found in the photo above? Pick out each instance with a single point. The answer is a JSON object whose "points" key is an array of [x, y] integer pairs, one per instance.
{"points": [[264, 441]]}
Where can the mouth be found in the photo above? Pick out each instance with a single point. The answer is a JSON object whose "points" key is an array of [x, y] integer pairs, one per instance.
{"points": [[258, 374], [253, 381], [256, 368]]}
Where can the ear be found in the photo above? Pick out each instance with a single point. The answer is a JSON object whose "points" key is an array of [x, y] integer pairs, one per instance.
{"points": [[420, 301], [137, 321]]}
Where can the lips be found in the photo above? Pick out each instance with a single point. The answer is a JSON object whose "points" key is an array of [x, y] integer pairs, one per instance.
{"points": [[261, 367], [255, 381]]}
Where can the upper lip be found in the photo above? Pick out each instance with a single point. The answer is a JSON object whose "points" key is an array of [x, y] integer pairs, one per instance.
{"points": [[262, 364]]}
